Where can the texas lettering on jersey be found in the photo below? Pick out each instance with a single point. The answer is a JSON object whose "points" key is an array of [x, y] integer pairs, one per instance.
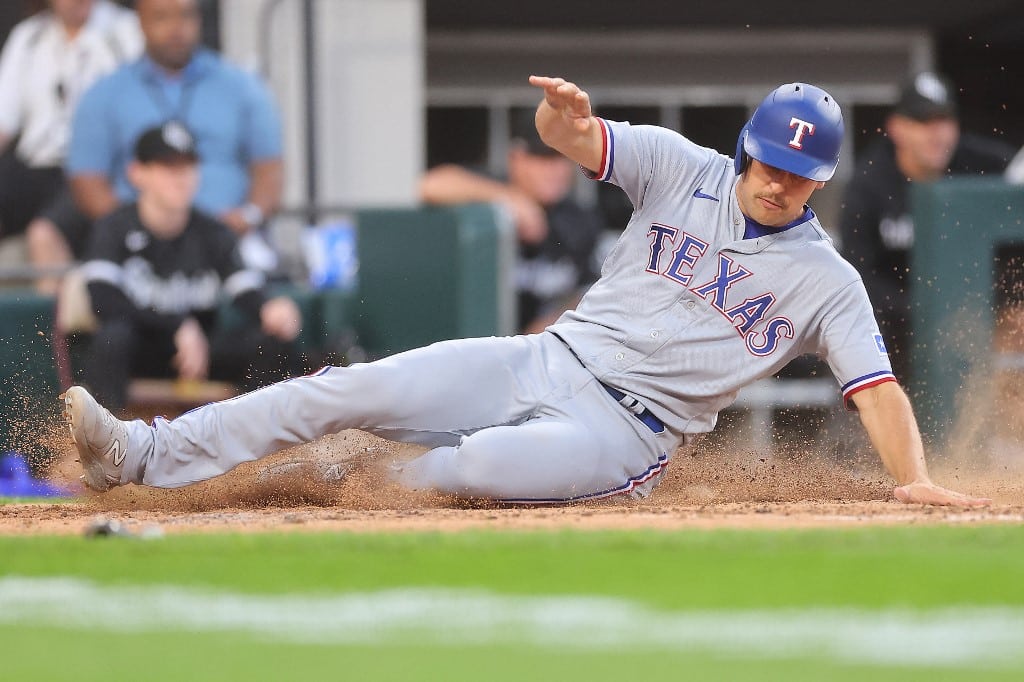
{"points": [[677, 265]]}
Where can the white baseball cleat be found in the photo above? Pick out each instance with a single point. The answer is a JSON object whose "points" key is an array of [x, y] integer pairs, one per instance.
{"points": [[101, 439]]}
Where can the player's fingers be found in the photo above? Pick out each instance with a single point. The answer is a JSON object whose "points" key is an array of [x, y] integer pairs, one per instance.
{"points": [[567, 92], [550, 85], [580, 104], [916, 493]]}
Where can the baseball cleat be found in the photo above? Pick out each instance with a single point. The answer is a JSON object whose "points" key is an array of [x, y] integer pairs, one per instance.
{"points": [[100, 438]]}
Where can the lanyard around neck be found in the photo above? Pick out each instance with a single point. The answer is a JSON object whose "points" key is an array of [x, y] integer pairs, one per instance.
{"points": [[163, 103]]}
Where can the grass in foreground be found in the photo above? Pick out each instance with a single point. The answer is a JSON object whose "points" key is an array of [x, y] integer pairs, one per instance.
{"points": [[915, 567], [670, 572]]}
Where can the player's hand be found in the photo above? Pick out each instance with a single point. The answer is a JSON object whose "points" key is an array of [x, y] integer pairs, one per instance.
{"points": [[280, 318], [235, 220], [567, 99], [529, 216], [193, 357], [929, 493]]}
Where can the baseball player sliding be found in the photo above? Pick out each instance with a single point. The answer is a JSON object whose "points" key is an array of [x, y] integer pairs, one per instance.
{"points": [[722, 276]]}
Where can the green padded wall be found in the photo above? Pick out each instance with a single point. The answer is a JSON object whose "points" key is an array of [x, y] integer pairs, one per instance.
{"points": [[430, 274], [959, 224], [29, 409]]}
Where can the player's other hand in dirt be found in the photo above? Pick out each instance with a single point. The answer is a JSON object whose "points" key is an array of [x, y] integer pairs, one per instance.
{"points": [[889, 420], [927, 492]]}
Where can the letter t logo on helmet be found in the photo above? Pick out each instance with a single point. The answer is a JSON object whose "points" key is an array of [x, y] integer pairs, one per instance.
{"points": [[802, 128], [798, 128]]}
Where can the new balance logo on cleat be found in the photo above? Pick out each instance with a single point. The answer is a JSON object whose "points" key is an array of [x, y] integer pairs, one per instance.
{"points": [[115, 453]]}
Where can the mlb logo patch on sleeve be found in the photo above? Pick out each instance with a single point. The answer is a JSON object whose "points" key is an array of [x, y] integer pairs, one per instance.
{"points": [[880, 344]]}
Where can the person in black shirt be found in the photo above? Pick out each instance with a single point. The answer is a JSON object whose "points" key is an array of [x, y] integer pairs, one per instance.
{"points": [[157, 271], [923, 143], [557, 237]]}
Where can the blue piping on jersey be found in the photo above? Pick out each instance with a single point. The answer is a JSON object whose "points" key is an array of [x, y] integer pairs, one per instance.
{"points": [[866, 381], [655, 469], [611, 150], [866, 377]]}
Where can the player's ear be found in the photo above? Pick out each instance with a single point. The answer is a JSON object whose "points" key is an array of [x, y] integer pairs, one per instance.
{"points": [[819, 185]]}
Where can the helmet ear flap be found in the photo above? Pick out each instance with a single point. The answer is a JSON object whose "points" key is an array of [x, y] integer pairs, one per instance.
{"points": [[742, 160]]}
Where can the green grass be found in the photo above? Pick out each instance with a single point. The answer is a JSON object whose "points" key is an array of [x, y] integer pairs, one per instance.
{"points": [[878, 568], [95, 657], [919, 567]]}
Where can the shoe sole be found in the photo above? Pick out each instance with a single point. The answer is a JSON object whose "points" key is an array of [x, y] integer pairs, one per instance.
{"points": [[92, 468]]}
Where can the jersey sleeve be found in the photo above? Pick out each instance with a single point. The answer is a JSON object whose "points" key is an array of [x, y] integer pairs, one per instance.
{"points": [[851, 343], [636, 158]]}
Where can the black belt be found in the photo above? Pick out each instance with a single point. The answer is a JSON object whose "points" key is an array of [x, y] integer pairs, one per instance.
{"points": [[638, 410]]}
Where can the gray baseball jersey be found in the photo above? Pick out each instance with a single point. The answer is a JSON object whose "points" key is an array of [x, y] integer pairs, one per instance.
{"points": [[686, 312]]}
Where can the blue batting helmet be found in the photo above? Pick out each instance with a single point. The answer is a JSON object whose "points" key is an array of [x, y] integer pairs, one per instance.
{"points": [[798, 128]]}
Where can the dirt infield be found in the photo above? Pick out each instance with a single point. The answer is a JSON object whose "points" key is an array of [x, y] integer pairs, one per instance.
{"points": [[718, 486]]}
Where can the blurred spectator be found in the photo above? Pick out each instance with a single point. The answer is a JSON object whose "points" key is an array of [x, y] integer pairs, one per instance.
{"points": [[557, 237], [923, 143], [231, 112], [157, 270], [48, 61]]}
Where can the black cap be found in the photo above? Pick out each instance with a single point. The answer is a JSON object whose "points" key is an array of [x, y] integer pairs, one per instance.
{"points": [[524, 135], [927, 96], [169, 143]]}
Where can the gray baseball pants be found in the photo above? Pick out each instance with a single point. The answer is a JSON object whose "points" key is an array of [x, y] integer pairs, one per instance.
{"points": [[517, 419]]}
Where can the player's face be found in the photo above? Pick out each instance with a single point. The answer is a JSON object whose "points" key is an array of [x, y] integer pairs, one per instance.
{"points": [[167, 186], [771, 196], [171, 28], [927, 146], [546, 179]]}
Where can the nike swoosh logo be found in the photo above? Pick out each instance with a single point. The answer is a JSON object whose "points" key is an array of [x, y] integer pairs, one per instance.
{"points": [[700, 195]]}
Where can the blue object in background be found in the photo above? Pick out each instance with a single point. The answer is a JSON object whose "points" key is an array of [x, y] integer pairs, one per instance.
{"points": [[16, 480], [331, 255]]}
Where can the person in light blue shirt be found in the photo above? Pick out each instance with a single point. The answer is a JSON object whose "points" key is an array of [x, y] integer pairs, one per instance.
{"points": [[230, 111]]}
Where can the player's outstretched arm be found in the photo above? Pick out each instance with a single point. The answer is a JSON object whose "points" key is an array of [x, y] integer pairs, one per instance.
{"points": [[566, 122], [889, 420]]}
